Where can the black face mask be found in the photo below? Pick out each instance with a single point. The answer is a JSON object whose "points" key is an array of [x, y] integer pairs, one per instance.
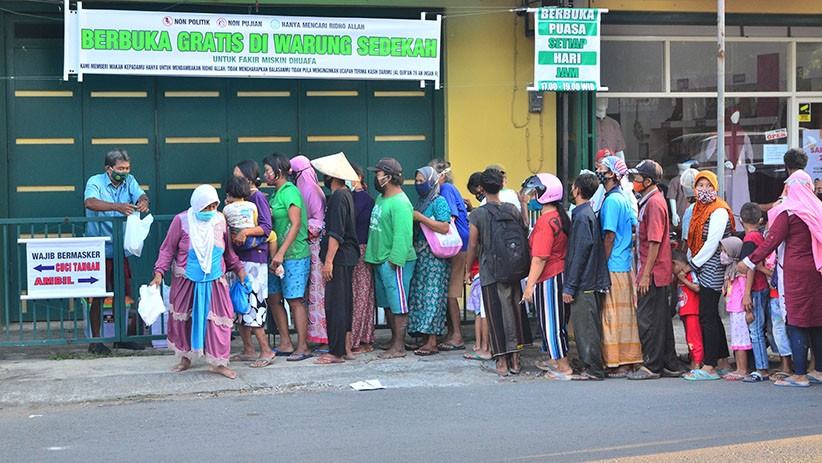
{"points": [[601, 177], [380, 188], [327, 182], [819, 195], [480, 197]]}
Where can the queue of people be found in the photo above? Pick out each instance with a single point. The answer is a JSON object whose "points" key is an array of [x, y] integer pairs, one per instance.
{"points": [[602, 270]]}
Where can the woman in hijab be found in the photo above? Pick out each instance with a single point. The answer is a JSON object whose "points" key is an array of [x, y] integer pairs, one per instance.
{"points": [[306, 180], [198, 250], [797, 223], [712, 221], [428, 298]]}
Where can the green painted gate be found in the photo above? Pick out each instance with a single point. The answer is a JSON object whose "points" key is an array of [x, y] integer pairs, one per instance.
{"points": [[182, 132]]}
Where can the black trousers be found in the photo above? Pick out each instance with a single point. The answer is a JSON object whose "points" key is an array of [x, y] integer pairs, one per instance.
{"points": [[656, 330], [586, 315], [714, 340], [339, 308]]}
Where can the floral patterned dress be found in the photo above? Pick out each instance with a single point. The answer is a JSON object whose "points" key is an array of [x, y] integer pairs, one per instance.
{"points": [[428, 300]]}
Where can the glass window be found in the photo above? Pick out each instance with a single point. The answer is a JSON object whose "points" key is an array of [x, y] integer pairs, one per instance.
{"points": [[749, 66], [676, 131], [808, 67], [756, 67], [622, 60], [810, 138], [693, 66]]}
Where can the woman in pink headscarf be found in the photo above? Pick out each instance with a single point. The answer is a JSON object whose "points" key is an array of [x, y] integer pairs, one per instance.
{"points": [[798, 223], [306, 180]]}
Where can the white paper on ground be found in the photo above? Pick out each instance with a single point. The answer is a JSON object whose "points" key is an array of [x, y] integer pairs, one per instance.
{"points": [[367, 385]]}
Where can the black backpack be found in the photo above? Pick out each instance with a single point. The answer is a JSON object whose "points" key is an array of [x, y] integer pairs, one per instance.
{"points": [[510, 252]]}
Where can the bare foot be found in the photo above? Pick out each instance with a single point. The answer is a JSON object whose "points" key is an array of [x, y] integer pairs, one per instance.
{"points": [[328, 359], [285, 347], [363, 349], [391, 354], [182, 366], [349, 356], [225, 371], [244, 357]]}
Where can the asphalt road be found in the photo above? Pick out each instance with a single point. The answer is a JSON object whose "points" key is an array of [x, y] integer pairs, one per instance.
{"points": [[526, 421]]}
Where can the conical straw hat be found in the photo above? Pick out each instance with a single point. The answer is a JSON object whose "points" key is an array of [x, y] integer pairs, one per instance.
{"points": [[335, 165]]}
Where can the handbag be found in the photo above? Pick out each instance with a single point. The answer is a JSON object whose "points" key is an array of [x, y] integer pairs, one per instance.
{"points": [[444, 246]]}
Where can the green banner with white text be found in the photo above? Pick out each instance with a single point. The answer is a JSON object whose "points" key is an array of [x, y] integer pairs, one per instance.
{"points": [[566, 49], [214, 45]]}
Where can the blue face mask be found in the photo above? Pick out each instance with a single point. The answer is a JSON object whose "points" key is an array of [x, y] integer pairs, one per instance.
{"points": [[349, 185], [422, 188], [534, 205], [205, 216]]}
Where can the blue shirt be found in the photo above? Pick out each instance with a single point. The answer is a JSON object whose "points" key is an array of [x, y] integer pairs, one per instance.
{"points": [[617, 216], [686, 221], [100, 187], [458, 211]]}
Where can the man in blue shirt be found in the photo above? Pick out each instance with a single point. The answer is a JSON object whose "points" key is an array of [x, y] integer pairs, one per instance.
{"points": [[113, 193], [453, 338], [621, 347]]}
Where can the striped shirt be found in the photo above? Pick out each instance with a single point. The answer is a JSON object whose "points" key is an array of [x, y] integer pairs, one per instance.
{"points": [[712, 273]]}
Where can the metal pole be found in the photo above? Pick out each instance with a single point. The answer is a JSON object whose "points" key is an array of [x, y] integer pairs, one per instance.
{"points": [[720, 96]]}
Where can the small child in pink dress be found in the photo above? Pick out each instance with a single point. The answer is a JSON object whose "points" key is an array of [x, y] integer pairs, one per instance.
{"points": [[734, 292]]}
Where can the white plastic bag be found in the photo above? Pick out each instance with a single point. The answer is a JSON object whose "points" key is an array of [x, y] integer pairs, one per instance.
{"points": [[151, 304], [136, 232]]}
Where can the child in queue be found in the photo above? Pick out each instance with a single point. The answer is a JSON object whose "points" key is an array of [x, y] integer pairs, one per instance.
{"points": [[757, 292], [731, 249], [689, 307]]}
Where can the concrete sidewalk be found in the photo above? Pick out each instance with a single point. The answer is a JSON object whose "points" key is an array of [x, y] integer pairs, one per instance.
{"points": [[40, 376]]}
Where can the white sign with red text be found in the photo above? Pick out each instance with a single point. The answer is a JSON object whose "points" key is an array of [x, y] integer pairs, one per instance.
{"points": [[812, 144], [60, 268]]}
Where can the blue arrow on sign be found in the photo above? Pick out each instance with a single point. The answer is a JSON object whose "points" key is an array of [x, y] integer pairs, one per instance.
{"points": [[42, 267], [90, 280]]}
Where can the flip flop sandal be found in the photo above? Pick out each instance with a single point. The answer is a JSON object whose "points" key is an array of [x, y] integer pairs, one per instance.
{"points": [[449, 346], [584, 376], [426, 352], [543, 365], [494, 371], [733, 377], [790, 383], [328, 361], [701, 375], [473, 356], [279, 353], [779, 375], [556, 376], [617, 374], [411, 346], [755, 377], [297, 357], [812, 380], [262, 362], [319, 352], [242, 358]]}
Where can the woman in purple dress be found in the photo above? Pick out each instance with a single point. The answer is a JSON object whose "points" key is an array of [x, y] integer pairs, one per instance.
{"points": [[197, 249]]}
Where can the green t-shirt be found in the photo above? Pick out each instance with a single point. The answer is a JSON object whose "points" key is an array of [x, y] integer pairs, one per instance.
{"points": [[286, 196], [391, 230]]}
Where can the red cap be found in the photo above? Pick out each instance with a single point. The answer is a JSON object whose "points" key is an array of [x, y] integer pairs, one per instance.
{"points": [[602, 154]]}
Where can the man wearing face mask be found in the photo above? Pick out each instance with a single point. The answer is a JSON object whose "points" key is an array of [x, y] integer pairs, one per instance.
{"points": [[621, 348], [655, 274], [113, 193], [390, 249]]}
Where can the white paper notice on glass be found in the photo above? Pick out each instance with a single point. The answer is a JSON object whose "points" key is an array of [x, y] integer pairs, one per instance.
{"points": [[367, 385], [772, 155]]}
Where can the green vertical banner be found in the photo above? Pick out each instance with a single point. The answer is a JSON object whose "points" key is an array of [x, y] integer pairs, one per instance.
{"points": [[566, 49]]}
